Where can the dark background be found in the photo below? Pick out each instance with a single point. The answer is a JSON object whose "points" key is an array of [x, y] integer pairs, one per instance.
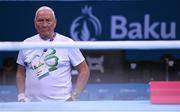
{"points": [[16, 24]]}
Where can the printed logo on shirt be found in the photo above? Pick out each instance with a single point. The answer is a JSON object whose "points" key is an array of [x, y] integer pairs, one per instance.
{"points": [[39, 67], [51, 59], [42, 62]]}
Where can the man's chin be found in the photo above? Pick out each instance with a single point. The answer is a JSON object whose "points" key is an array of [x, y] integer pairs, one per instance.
{"points": [[44, 36]]}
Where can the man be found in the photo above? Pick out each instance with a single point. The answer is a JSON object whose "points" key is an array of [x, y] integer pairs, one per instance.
{"points": [[45, 74]]}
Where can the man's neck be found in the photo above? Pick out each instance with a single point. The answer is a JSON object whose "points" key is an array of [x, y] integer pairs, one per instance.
{"points": [[49, 38]]}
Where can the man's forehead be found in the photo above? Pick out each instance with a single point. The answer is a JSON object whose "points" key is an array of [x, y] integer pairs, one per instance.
{"points": [[44, 14], [44, 11]]}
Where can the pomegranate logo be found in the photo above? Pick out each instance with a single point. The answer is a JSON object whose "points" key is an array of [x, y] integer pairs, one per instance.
{"points": [[86, 27]]}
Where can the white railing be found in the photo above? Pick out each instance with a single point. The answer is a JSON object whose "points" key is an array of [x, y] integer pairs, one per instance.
{"points": [[14, 46]]}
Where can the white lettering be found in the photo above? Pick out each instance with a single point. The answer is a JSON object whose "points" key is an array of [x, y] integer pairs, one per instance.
{"points": [[118, 28], [172, 32], [122, 29], [135, 31], [150, 28]]}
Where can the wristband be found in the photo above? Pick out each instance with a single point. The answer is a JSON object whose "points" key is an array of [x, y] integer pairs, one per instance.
{"points": [[75, 95], [22, 98]]}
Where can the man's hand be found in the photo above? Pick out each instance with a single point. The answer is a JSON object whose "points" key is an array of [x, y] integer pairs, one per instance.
{"points": [[22, 98], [75, 96]]}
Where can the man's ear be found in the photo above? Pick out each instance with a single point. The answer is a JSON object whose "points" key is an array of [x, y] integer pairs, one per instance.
{"points": [[35, 24], [55, 23]]}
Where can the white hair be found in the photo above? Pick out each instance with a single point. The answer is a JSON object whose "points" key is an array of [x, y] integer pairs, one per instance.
{"points": [[45, 8]]}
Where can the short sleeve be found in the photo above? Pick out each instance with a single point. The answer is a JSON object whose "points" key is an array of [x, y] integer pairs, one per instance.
{"points": [[20, 59], [75, 56]]}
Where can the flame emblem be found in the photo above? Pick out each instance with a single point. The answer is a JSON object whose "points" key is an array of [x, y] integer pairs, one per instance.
{"points": [[86, 27]]}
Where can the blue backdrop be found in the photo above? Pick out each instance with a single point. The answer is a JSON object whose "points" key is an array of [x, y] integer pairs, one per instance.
{"points": [[131, 91]]}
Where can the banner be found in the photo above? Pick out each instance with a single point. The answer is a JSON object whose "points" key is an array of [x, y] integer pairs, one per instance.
{"points": [[98, 21], [131, 91], [95, 20]]}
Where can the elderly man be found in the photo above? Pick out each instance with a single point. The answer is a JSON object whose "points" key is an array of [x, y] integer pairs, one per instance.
{"points": [[45, 74]]}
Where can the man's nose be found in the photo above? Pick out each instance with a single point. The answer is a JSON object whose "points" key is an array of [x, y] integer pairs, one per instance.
{"points": [[44, 24]]}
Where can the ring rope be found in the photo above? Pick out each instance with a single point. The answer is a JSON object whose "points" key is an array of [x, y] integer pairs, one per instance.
{"points": [[139, 45]]}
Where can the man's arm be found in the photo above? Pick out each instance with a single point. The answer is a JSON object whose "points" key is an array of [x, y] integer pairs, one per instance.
{"points": [[82, 79], [20, 82]]}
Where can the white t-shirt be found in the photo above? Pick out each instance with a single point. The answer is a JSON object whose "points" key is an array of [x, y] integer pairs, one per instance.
{"points": [[48, 71]]}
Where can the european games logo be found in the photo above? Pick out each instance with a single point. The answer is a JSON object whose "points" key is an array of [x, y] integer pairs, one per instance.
{"points": [[86, 27]]}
